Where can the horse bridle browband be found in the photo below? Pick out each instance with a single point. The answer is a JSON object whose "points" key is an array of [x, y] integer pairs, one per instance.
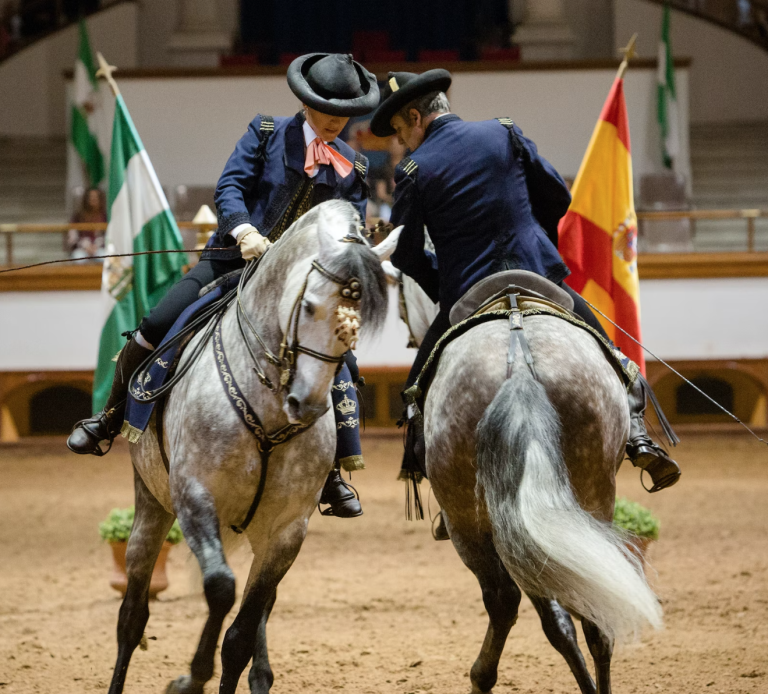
{"points": [[351, 290]]}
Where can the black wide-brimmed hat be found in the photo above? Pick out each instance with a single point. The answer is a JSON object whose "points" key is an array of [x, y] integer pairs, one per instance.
{"points": [[334, 84], [402, 88]]}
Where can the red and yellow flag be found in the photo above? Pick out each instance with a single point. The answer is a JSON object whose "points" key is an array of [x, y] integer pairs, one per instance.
{"points": [[598, 235]]}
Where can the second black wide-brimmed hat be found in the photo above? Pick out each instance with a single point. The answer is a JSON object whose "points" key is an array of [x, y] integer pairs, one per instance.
{"points": [[334, 84], [402, 88]]}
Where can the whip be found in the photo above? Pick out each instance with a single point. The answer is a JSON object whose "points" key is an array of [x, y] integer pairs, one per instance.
{"points": [[113, 255], [677, 373]]}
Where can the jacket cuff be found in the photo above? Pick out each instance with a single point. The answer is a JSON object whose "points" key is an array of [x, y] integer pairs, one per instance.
{"points": [[228, 223]]}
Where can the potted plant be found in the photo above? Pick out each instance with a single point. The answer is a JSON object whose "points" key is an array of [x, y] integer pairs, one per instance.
{"points": [[116, 530], [638, 523]]}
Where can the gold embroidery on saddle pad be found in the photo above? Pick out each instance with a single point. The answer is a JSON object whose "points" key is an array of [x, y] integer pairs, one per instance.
{"points": [[524, 303]]}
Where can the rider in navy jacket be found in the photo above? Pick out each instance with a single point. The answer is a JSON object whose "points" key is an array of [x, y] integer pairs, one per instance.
{"points": [[266, 172], [280, 169], [489, 203], [467, 177]]}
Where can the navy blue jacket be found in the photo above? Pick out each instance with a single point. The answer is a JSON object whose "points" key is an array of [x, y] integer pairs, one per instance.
{"points": [[258, 183], [489, 202]]}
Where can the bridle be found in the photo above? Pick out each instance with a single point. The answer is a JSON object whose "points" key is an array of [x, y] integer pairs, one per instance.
{"points": [[350, 291]]}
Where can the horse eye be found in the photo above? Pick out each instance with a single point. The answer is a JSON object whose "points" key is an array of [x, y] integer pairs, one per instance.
{"points": [[309, 307]]}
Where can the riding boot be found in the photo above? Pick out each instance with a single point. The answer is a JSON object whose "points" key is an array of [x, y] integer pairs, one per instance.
{"points": [[340, 496], [642, 451], [105, 425]]}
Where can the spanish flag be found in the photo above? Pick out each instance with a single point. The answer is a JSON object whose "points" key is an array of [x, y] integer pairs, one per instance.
{"points": [[598, 235]]}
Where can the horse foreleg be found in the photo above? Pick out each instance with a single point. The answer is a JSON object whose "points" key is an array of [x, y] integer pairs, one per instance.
{"points": [[247, 637], [200, 523], [501, 598], [558, 628], [150, 526], [601, 649]]}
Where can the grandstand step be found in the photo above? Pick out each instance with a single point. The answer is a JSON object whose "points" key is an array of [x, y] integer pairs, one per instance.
{"points": [[33, 173]]}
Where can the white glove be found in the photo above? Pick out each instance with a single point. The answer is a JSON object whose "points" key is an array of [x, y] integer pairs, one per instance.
{"points": [[252, 243]]}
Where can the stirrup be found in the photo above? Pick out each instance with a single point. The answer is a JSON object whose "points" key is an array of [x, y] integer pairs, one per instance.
{"points": [[98, 451], [328, 512]]}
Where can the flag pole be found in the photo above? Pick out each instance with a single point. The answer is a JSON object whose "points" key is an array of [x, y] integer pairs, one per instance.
{"points": [[628, 51], [105, 72]]}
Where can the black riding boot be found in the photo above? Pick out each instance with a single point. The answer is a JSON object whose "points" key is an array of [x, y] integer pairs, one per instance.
{"points": [[340, 496], [642, 451], [105, 425]]}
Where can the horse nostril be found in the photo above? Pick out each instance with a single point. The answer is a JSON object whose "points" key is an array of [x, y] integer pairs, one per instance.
{"points": [[294, 404]]}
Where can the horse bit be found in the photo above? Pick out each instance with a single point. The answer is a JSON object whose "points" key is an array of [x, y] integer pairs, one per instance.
{"points": [[347, 330]]}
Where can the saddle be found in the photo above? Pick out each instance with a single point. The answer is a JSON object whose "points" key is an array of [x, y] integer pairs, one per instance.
{"points": [[492, 294]]}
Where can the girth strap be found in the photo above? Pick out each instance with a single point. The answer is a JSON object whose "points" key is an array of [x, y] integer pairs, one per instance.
{"points": [[264, 442]]}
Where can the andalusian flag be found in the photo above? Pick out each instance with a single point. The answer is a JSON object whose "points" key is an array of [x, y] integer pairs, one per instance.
{"points": [[667, 97], [86, 104], [139, 220], [598, 235]]}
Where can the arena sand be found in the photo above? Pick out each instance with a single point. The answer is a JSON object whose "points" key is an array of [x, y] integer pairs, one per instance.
{"points": [[374, 604]]}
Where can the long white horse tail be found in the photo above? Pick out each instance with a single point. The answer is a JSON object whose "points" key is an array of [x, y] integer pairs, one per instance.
{"points": [[550, 546]]}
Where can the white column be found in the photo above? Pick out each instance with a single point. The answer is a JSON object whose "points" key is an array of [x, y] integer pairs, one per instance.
{"points": [[199, 39], [545, 33]]}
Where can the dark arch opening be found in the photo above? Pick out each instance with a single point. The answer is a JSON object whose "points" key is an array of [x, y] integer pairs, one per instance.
{"points": [[690, 402], [55, 410]]}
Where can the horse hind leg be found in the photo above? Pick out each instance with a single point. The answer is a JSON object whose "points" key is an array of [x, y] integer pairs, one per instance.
{"points": [[200, 523], [601, 649], [246, 638], [558, 628], [150, 527], [501, 598]]}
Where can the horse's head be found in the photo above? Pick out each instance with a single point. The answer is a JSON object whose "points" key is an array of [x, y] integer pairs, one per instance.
{"points": [[334, 289]]}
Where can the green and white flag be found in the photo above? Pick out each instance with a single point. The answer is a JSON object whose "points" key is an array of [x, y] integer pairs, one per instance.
{"points": [[85, 111], [139, 220], [667, 97]]}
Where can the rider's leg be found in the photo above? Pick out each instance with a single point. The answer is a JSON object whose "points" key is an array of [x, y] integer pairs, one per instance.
{"points": [[349, 456], [641, 449], [105, 425], [414, 457]]}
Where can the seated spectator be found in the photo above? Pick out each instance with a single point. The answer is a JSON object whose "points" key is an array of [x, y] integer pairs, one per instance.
{"points": [[83, 244]]}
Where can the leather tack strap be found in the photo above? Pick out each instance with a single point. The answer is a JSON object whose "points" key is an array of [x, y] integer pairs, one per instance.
{"points": [[517, 336]]}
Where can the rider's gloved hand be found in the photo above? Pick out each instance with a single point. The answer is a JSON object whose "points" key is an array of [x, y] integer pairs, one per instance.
{"points": [[252, 243]]}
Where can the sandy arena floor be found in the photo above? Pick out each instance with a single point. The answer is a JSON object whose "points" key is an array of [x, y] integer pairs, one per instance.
{"points": [[374, 604]]}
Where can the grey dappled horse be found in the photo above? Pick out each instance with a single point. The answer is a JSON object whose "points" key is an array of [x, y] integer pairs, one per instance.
{"points": [[524, 471], [215, 464]]}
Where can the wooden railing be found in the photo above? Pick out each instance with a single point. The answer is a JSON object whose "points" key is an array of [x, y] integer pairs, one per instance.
{"points": [[748, 19], [749, 217]]}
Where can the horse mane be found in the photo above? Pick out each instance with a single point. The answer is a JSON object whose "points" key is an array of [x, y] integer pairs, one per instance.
{"points": [[340, 218]]}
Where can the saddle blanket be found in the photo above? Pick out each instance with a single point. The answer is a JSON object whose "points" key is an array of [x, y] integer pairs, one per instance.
{"points": [[138, 412]]}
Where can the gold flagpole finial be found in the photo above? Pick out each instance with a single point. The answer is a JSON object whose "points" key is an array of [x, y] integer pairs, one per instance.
{"points": [[628, 52], [105, 72]]}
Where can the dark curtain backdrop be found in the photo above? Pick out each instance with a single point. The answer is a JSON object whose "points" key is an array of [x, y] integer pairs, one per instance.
{"points": [[304, 26]]}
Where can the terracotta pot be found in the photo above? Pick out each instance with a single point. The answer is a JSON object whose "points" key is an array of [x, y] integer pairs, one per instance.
{"points": [[639, 546], [119, 579]]}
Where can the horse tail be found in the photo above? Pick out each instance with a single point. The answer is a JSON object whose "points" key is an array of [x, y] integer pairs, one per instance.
{"points": [[550, 546]]}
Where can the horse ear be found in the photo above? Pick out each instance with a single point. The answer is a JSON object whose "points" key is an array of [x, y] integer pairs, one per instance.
{"points": [[329, 246], [387, 247]]}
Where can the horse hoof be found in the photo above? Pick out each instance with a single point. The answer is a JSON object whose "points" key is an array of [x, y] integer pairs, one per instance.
{"points": [[184, 685]]}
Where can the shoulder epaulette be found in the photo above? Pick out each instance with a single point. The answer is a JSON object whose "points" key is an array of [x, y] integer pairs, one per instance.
{"points": [[361, 165], [361, 169], [266, 129], [517, 145], [408, 166]]}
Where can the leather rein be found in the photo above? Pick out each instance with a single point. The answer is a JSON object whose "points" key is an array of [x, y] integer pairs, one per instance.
{"points": [[286, 359]]}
